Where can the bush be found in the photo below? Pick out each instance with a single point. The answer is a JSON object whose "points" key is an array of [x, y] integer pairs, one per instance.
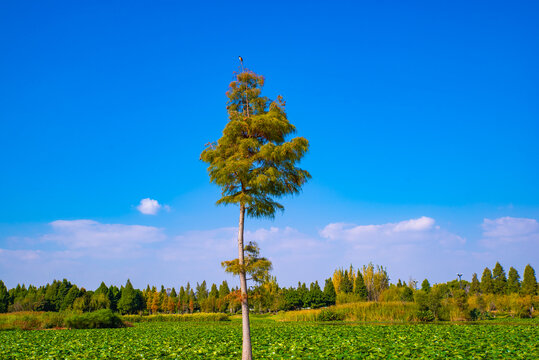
{"points": [[95, 320], [329, 315], [425, 315], [474, 314]]}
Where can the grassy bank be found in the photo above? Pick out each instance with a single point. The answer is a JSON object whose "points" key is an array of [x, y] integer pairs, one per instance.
{"points": [[362, 311], [198, 317], [35, 320]]}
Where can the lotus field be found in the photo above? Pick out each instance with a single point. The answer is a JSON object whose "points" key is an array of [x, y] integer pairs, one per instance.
{"points": [[277, 340]]}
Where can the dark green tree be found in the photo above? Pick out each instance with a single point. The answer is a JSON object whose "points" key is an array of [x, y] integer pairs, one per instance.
{"points": [[513, 281], [475, 287], [4, 297], [487, 287], [316, 296], [70, 298], [407, 294], [102, 289], [202, 291], [346, 286], [254, 164], [529, 281], [499, 280], [224, 290], [290, 299], [425, 286], [130, 300], [214, 293], [113, 293], [359, 287], [330, 296], [303, 293]]}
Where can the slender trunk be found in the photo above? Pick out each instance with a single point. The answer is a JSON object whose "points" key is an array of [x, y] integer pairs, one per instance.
{"points": [[246, 353]]}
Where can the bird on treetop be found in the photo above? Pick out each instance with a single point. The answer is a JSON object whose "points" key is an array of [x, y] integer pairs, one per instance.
{"points": [[241, 59]]}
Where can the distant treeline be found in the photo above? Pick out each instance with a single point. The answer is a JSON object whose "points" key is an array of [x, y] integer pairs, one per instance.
{"points": [[369, 283]]}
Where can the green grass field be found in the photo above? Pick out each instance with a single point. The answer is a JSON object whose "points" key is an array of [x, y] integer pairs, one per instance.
{"points": [[277, 340]]}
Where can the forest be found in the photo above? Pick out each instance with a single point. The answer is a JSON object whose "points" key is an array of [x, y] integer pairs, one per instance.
{"points": [[494, 291]]}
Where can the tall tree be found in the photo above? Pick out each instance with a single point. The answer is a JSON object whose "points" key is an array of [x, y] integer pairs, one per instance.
{"points": [[529, 281], [513, 281], [486, 282], [4, 297], [359, 286], [346, 285], [130, 301], [499, 280], [254, 164], [330, 296], [475, 287]]}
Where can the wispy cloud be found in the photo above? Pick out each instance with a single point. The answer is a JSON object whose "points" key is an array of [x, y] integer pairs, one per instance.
{"points": [[95, 239], [411, 231], [510, 229], [418, 247]]}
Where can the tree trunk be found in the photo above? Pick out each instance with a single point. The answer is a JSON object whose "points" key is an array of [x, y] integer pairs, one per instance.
{"points": [[246, 353]]}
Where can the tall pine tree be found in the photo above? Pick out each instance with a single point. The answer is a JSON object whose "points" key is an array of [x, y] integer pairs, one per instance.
{"points": [[513, 281], [499, 280], [475, 287], [487, 286], [529, 281], [359, 287], [4, 297]]}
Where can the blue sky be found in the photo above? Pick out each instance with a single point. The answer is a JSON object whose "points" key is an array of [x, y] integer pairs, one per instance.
{"points": [[422, 119]]}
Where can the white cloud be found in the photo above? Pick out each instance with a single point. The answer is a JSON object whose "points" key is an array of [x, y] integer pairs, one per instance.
{"points": [[149, 206], [90, 251], [102, 240], [510, 229], [404, 232], [510, 233]]}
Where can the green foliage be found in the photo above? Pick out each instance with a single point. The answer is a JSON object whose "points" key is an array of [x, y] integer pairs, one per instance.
{"points": [[407, 294], [346, 286], [425, 315], [198, 317], [361, 311], [94, 320], [499, 280], [256, 266], [4, 297], [513, 281], [315, 297], [329, 314], [475, 287], [431, 300], [202, 291], [71, 296], [252, 162], [32, 320], [330, 295], [529, 282], [359, 287], [487, 287], [131, 300], [275, 340], [425, 285]]}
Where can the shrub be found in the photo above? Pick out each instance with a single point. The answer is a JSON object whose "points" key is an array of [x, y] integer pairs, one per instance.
{"points": [[94, 320], [425, 315]]}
